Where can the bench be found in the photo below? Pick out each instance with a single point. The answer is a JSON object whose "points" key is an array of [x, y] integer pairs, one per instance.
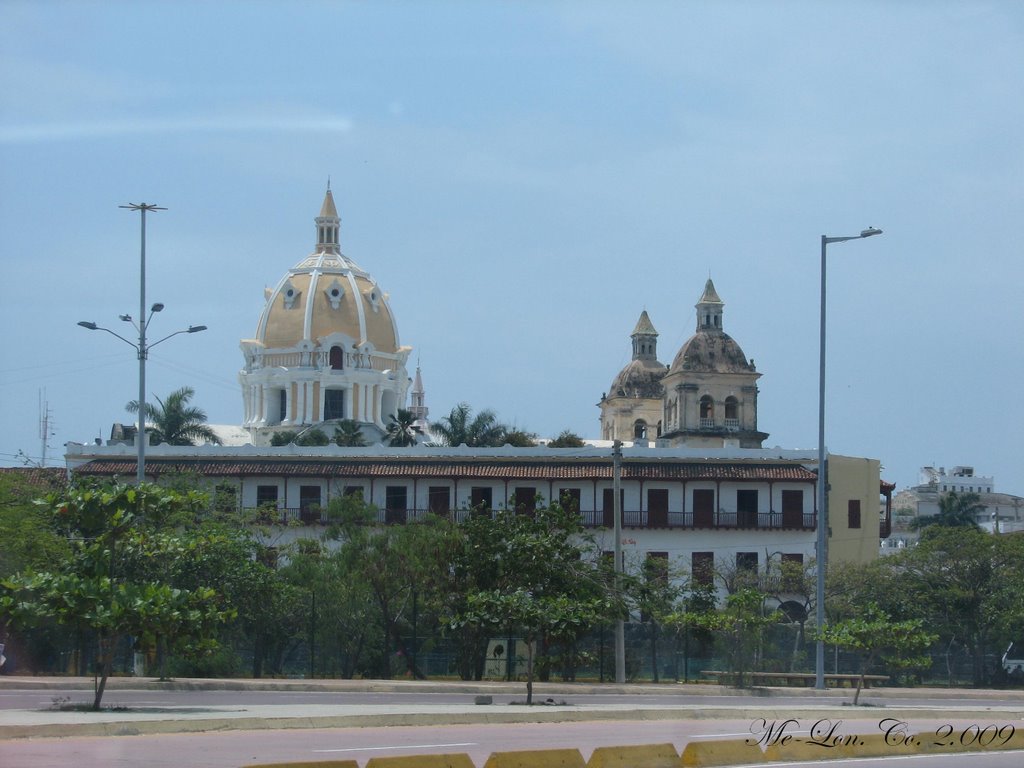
{"points": [[797, 679]]}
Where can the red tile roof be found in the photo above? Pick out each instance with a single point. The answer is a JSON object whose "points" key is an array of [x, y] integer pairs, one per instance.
{"points": [[447, 469]]}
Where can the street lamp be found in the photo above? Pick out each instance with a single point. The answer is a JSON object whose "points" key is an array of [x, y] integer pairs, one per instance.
{"points": [[822, 500], [141, 347], [620, 624]]}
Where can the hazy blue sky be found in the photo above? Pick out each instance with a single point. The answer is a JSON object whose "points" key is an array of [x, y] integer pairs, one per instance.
{"points": [[524, 179]]}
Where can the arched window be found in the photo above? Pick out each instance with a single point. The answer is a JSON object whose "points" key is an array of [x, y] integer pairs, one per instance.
{"points": [[337, 359], [732, 410], [640, 430], [707, 411]]}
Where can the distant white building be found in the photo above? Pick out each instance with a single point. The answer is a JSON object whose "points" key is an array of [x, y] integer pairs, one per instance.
{"points": [[1001, 513]]}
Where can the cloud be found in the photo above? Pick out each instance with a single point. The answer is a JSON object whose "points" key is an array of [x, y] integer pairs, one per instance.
{"points": [[100, 129]]}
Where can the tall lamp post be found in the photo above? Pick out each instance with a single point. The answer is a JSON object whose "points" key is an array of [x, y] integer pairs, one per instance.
{"points": [[141, 347], [620, 624], [822, 500]]}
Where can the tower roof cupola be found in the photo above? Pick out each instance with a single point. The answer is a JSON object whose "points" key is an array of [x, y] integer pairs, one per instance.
{"points": [[710, 309], [328, 226], [645, 339]]}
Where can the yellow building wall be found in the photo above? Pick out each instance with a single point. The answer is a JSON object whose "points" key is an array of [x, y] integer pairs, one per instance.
{"points": [[853, 479]]}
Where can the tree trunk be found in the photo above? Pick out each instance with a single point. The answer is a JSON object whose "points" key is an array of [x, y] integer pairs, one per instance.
{"points": [[529, 671], [385, 650], [161, 650], [106, 664], [257, 656], [410, 661], [654, 650], [545, 667]]}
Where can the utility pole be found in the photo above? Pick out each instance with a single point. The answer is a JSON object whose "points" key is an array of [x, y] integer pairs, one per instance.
{"points": [[44, 426], [142, 349], [620, 624]]}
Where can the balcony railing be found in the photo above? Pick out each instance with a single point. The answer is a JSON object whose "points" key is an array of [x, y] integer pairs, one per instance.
{"points": [[631, 518], [727, 519]]}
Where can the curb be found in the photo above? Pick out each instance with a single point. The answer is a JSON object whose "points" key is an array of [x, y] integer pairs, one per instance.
{"points": [[513, 715]]}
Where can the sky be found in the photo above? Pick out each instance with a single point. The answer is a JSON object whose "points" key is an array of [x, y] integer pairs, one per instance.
{"points": [[524, 179]]}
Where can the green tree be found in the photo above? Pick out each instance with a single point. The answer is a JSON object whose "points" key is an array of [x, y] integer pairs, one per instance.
{"points": [[402, 429], [654, 595], [875, 636], [401, 567], [740, 624], [519, 438], [314, 436], [956, 510], [567, 439], [966, 583], [532, 574], [100, 587], [342, 626], [461, 427], [532, 616], [28, 540], [282, 437], [174, 421], [347, 433], [689, 618]]}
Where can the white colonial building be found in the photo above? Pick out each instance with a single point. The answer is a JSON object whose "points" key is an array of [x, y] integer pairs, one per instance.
{"points": [[703, 508], [997, 513]]}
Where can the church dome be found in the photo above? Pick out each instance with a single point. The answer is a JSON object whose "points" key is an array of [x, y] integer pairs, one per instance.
{"points": [[640, 378], [642, 375], [711, 351], [326, 346], [328, 295]]}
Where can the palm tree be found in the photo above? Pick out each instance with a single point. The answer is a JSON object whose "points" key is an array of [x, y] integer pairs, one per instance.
{"points": [[174, 421], [348, 434], [956, 510], [458, 428], [402, 429]]}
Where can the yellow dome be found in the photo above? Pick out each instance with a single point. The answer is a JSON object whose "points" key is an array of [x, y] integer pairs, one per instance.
{"points": [[326, 346], [327, 294]]}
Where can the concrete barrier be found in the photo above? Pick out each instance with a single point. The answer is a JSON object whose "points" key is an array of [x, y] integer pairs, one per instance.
{"points": [[873, 745], [460, 760], [636, 756], [308, 764], [536, 758], [876, 745], [721, 752]]}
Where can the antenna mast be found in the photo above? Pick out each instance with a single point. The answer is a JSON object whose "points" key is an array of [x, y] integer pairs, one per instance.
{"points": [[44, 425]]}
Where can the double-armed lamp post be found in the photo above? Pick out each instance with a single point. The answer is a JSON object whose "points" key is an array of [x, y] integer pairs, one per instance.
{"points": [[142, 347], [822, 499]]}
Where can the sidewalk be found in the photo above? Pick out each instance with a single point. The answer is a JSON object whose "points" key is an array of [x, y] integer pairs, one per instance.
{"points": [[54, 722]]}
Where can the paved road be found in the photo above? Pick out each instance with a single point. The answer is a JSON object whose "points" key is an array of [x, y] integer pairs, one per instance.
{"points": [[266, 721], [242, 748]]}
